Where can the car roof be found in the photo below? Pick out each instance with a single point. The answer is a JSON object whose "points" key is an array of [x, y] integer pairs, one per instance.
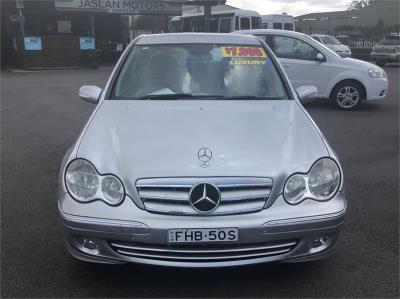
{"points": [[197, 38], [272, 31]]}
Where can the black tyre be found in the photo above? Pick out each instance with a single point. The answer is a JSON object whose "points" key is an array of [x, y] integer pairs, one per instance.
{"points": [[348, 95], [381, 63]]}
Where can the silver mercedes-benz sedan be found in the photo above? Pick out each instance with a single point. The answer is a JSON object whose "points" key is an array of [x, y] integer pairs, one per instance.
{"points": [[199, 154]]}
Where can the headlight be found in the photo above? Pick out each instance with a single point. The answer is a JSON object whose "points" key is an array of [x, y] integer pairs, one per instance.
{"points": [[321, 183], [85, 184], [377, 73]]}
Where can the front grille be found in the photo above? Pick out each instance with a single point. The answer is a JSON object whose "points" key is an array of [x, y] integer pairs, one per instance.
{"points": [[204, 253], [171, 195]]}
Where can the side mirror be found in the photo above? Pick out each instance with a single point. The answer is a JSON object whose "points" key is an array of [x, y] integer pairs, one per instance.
{"points": [[320, 57], [90, 93], [307, 92]]}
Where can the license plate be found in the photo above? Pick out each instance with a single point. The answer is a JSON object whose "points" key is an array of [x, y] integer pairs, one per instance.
{"points": [[208, 235]]}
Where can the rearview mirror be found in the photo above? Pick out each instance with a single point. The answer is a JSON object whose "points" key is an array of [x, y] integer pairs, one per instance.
{"points": [[90, 93], [320, 57], [307, 92]]}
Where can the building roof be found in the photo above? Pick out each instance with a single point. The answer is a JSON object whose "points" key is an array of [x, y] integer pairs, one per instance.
{"points": [[343, 14]]}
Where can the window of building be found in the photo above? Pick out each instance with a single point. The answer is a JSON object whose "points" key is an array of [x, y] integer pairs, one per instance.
{"points": [[277, 26]]}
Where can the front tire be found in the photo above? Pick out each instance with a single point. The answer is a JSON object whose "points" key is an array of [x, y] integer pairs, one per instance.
{"points": [[348, 95]]}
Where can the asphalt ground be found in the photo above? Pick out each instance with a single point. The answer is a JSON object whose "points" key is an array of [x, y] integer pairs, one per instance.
{"points": [[41, 116]]}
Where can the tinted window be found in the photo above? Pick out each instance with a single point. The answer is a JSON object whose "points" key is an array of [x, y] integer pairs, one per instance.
{"points": [[288, 26], [277, 26], [287, 47], [186, 25], [225, 26], [245, 23], [197, 25], [200, 70], [265, 25], [213, 25], [255, 22]]}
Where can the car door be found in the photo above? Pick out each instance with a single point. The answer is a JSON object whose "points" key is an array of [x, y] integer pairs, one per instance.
{"points": [[299, 60]]}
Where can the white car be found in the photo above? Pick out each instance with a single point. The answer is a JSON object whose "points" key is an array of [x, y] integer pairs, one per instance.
{"points": [[333, 43], [346, 82]]}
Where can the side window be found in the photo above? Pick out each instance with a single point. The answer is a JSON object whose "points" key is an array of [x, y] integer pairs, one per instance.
{"points": [[288, 26], [267, 39], [292, 48], [245, 23], [265, 25], [225, 26], [255, 23], [186, 25], [277, 25], [197, 25], [214, 25], [237, 23]]}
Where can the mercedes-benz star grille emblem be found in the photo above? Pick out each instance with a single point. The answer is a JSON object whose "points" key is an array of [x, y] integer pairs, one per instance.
{"points": [[205, 197], [205, 155]]}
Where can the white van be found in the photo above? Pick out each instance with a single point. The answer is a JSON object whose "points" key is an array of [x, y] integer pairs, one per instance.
{"points": [[283, 21], [219, 22]]}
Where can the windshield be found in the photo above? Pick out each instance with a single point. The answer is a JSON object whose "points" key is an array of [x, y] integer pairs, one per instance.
{"points": [[330, 40], [393, 40], [198, 70]]}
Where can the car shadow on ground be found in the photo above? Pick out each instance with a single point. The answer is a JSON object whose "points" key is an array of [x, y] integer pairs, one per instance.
{"points": [[323, 104], [131, 276]]}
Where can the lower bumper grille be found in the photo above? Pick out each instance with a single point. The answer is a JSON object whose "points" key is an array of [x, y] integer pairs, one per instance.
{"points": [[201, 254]]}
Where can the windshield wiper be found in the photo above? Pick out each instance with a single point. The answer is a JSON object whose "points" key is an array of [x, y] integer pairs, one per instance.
{"points": [[244, 97], [172, 96]]}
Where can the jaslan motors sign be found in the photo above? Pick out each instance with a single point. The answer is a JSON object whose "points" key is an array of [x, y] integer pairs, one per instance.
{"points": [[134, 7]]}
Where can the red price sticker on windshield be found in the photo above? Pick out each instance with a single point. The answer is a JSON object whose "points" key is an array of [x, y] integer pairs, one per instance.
{"points": [[240, 52]]}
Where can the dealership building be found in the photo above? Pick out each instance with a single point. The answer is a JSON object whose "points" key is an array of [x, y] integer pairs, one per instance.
{"points": [[68, 33]]}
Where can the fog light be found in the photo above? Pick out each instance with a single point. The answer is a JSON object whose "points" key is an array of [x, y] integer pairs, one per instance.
{"points": [[318, 242], [87, 243]]}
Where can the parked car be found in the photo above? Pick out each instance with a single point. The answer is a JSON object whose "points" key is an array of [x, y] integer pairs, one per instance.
{"points": [[333, 43], [346, 82], [199, 154], [387, 50]]}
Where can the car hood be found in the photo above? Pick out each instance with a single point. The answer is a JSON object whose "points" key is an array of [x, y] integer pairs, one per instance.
{"points": [[359, 64], [143, 139]]}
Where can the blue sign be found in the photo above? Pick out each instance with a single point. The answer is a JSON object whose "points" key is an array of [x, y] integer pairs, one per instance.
{"points": [[33, 43], [87, 43]]}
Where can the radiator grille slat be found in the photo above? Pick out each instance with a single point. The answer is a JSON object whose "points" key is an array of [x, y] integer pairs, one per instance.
{"points": [[171, 195], [203, 253]]}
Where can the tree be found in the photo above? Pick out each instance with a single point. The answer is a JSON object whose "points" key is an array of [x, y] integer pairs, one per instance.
{"points": [[358, 4]]}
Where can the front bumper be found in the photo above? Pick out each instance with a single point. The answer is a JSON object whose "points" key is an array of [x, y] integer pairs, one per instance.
{"points": [[279, 233], [378, 89], [387, 57]]}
